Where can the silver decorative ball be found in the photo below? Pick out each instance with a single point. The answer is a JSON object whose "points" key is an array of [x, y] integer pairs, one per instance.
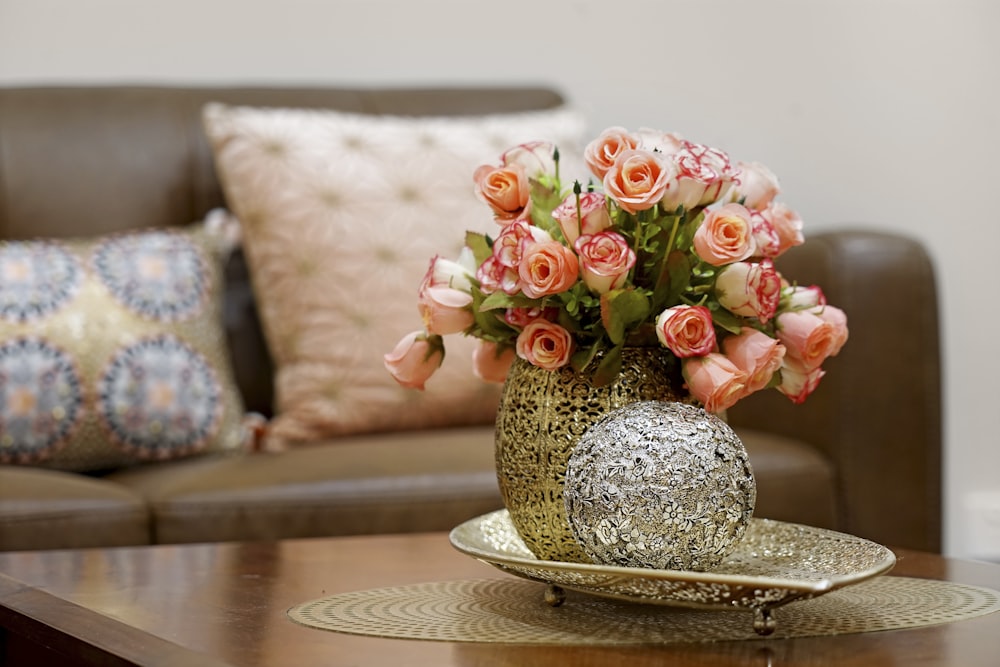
{"points": [[659, 485]]}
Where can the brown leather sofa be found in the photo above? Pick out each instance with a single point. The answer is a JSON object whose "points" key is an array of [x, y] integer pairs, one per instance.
{"points": [[862, 455]]}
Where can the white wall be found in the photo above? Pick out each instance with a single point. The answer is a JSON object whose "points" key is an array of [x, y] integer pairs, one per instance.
{"points": [[876, 112]]}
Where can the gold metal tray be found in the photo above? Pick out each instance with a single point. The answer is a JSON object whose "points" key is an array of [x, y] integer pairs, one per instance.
{"points": [[775, 563]]}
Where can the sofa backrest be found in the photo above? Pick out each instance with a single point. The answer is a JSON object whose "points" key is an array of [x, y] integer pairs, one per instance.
{"points": [[89, 160]]}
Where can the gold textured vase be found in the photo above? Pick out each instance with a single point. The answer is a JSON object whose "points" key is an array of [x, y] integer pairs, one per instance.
{"points": [[542, 416]]}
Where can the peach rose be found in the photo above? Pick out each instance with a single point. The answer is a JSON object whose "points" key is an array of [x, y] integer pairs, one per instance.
{"points": [[702, 175], [506, 190], [787, 225], [537, 158], [509, 245], [797, 381], [638, 180], [545, 344], [714, 380], [586, 214], [605, 260], [414, 359], [750, 289], [490, 362], [756, 186], [836, 318], [687, 331], [547, 268], [757, 354], [602, 152], [809, 338], [725, 235]]}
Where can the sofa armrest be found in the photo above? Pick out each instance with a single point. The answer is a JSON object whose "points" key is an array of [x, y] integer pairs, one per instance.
{"points": [[877, 413]]}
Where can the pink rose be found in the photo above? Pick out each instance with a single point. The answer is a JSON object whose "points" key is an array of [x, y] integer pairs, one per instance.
{"points": [[446, 273], [797, 297], [605, 260], [490, 362], [545, 344], [509, 245], [725, 235], [602, 152], [537, 158], [702, 175], [547, 268], [687, 331], [666, 143], [809, 338], [522, 317], [714, 380], [586, 215], [505, 189], [797, 382], [638, 180], [756, 185], [443, 308], [414, 359], [757, 354], [787, 225], [749, 289]]}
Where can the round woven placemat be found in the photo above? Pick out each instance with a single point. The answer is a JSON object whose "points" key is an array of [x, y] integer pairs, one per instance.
{"points": [[514, 611]]}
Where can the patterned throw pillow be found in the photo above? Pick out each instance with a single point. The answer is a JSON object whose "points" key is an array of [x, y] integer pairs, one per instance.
{"points": [[112, 350], [341, 215]]}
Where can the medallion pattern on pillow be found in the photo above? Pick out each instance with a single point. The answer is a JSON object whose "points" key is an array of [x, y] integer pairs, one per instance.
{"points": [[340, 212], [41, 399], [159, 275], [112, 350], [35, 279], [159, 398]]}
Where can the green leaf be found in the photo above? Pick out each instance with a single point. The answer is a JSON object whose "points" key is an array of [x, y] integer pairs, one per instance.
{"points": [[727, 320], [584, 356], [620, 309], [609, 367], [480, 246], [503, 300]]}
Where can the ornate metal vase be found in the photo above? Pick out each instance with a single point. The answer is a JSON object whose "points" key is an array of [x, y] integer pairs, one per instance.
{"points": [[541, 417]]}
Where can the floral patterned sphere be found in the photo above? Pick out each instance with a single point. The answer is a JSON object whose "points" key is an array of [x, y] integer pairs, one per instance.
{"points": [[659, 485]]}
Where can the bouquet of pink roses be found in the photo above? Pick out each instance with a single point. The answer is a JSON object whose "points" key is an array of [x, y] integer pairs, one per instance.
{"points": [[669, 243]]}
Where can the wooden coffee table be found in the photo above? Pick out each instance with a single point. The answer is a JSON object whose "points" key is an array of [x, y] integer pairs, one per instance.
{"points": [[225, 604]]}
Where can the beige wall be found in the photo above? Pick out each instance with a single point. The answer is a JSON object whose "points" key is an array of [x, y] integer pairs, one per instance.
{"points": [[872, 112]]}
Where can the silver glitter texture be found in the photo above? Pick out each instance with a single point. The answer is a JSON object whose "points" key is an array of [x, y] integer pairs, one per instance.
{"points": [[659, 485]]}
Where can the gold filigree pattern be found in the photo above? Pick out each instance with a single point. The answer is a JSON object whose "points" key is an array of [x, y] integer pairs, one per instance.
{"points": [[542, 415]]}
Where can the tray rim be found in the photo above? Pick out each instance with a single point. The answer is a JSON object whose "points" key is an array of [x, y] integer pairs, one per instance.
{"points": [[803, 586]]}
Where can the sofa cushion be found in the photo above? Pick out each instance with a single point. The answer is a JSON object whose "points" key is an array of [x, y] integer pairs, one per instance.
{"points": [[112, 350], [341, 213], [52, 509], [393, 482]]}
